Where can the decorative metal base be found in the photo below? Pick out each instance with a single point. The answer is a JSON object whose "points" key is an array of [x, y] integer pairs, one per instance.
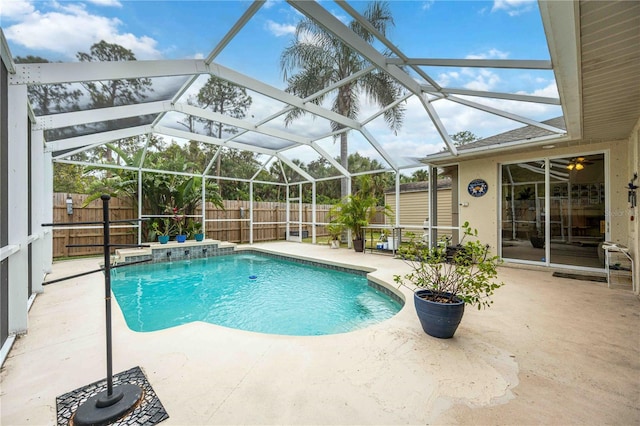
{"points": [[103, 409], [148, 411]]}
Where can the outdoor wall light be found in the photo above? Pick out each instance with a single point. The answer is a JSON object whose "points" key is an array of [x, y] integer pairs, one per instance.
{"points": [[69, 203], [631, 197]]}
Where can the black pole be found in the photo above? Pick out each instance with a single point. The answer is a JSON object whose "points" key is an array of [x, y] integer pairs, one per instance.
{"points": [[81, 274], [107, 406], [107, 290]]}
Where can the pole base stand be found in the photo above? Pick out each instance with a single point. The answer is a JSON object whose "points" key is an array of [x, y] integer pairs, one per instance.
{"points": [[104, 409]]}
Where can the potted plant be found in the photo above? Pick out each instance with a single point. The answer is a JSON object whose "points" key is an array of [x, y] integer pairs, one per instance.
{"points": [[195, 229], [537, 238], [335, 232], [441, 288], [179, 221], [162, 232], [355, 212]]}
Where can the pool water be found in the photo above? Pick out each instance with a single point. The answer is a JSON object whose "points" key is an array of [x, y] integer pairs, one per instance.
{"points": [[249, 292]]}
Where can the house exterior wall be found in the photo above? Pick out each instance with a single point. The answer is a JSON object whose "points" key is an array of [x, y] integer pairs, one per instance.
{"points": [[482, 212], [634, 228]]}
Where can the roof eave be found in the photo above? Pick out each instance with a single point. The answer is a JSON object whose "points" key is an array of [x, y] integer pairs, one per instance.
{"points": [[444, 157], [561, 22]]}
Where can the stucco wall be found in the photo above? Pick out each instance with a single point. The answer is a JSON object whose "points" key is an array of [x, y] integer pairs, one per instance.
{"points": [[634, 228], [482, 212]]}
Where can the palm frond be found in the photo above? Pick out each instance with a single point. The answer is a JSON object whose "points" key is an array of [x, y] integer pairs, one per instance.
{"points": [[378, 15]]}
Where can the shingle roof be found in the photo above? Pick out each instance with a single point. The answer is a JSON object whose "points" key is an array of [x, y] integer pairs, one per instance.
{"points": [[522, 133]]}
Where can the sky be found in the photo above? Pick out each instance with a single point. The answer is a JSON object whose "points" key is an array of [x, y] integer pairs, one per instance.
{"points": [[499, 29]]}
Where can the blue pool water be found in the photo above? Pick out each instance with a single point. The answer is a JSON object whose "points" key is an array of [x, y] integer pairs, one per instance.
{"points": [[249, 292]]}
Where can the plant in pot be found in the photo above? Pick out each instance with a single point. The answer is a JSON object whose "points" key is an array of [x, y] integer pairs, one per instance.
{"points": [[179, 222], [537, 238], [355, 212], [163, 232], [195, 229], [441, 288], [335, 232]]}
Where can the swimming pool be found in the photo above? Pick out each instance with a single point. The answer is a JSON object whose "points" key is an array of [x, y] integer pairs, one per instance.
{"points": [[249, 291]]}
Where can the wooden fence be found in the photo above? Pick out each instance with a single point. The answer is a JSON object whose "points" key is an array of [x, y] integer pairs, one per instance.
{"points": [[120, 209], [228, 224]]}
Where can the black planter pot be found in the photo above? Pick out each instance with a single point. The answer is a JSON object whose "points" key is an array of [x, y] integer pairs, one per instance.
{"points": [[439, 320], [537, 242], [358, 245]]}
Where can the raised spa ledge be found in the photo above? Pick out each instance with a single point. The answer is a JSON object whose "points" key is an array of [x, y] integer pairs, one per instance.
{"points": [[173, 250]]}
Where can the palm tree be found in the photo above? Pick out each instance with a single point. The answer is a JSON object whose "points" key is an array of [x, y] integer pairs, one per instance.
{"points": [[321, 59]]}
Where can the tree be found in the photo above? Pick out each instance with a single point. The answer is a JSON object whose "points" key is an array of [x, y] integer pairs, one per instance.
{"points": [[225, 98], [463, 138], [46, 99], [241, 164], [328, 191], [112, 93], [70, 178], [420, 175], [321, 59]]}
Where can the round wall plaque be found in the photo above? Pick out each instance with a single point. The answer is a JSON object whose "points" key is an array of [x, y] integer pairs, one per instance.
{"points": [[477, 187]]}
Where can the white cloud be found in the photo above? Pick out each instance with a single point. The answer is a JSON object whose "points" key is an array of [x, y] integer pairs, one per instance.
{"points": [[270, 3], [550, 91], [446, 79], [484, 80], [280, 30], [513, 7], [426, 5], [144, 47], [108, 3], [72, 29], [16, 9], [470, 78], [490, 54]]}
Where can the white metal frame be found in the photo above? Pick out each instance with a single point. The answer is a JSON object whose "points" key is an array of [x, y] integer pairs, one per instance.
{"points": [[560, 20]]}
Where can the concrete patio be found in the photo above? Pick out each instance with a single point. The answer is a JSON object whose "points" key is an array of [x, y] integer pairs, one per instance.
{"points": [[550, 351]]}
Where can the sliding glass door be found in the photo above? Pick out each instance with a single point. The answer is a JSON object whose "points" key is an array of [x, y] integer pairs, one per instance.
{"points": [[523, 193], [577, 211], [560, 201]]}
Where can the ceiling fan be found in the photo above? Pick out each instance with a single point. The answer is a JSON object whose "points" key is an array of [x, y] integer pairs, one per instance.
{"points": [[578, 163]]}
